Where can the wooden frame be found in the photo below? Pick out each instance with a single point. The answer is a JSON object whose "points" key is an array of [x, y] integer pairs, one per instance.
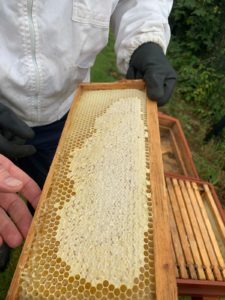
{"points": [[170, 129], [197, 287], [164, 265]]}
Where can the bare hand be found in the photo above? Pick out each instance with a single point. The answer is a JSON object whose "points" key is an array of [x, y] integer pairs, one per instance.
{"points": [[15, 218]]}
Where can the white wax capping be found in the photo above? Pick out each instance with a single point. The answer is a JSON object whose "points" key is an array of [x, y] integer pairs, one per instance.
{"points": [[102, 227]]}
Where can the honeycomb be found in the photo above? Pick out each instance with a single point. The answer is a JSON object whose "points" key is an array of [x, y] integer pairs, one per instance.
{"points": [[94, 232]]}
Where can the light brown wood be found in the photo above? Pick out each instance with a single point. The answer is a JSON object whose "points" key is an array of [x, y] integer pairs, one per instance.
{"points": [[182, 232], [164, 266], [190, 234], [165, 274], [177, 158], [189, 199], [209, 238], [202, 248], [177, 247], [215, 211]]}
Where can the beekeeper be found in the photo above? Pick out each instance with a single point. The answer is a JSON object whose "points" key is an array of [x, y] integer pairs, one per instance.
{"points": [[48, 47]]}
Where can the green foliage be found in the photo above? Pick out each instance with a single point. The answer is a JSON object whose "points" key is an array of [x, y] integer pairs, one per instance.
{"points": [[197, 52], [196, 23]]}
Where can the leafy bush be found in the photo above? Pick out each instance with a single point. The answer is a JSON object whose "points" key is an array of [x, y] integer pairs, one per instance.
{"points": [[197, 52]]}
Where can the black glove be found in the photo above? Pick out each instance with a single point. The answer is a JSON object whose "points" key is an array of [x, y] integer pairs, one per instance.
{"points": [[13, 134], [148, 62]]}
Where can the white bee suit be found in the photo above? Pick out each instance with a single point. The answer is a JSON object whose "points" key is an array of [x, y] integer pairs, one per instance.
{"points": [[47, 47]]}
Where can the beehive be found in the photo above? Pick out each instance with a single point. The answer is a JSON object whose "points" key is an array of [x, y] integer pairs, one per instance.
{"points": [[198, 233], [93, 235], [176, 154]]}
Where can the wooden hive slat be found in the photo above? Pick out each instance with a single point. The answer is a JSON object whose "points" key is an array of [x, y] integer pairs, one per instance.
{"points": [[211, 243], [199, 208], [177, 248], [44, 274], [189, 230], [182, 232]]}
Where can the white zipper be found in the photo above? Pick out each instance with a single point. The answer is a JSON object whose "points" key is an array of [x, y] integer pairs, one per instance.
{"points": [[33, 48]]}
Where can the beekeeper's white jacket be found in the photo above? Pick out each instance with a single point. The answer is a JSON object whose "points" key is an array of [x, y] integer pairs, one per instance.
{"points": [[48, 46]]}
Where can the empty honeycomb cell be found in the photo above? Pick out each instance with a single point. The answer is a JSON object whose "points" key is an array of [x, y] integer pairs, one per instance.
{"points": [[99, 286], [68, 295], [98, 294], [104, 291], [45, 294], [86, 293], [129, 292], [93, 290], [105, 283], [116, 292], [80, 289], [110, 295], [141, 285]]}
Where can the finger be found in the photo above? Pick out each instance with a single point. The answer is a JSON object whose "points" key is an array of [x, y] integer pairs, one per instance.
{"points": [[30, 189], [139, 75], [18, 141], [130, 73], [168, 91], [15, 151], [154, 85], [17, 210], [1, 241], [9, 120], [8, 184], [8, 231], [7, 134]]}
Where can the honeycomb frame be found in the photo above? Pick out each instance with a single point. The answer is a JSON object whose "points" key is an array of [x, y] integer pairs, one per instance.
{"points": [[156, 279]]}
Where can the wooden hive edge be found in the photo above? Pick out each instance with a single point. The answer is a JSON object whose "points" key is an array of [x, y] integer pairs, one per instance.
{"points": [[186, 155]]}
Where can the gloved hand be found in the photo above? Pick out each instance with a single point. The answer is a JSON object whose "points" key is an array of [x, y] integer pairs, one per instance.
{"points": [[148, 62], [13, 134]]}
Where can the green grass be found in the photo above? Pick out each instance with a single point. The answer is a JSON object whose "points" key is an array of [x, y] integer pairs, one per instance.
{"points": [[6, 277], [209, 158]]}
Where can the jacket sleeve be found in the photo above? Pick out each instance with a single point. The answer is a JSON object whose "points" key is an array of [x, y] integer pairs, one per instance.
{"points": [[135, 22]]}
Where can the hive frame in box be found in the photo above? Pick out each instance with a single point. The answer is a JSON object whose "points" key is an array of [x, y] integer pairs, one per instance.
{"points": [[180, 146], [163, 261], [202, 288]]}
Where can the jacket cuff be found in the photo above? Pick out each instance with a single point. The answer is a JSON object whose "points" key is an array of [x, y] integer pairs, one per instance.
{"points": [[127, 49]]}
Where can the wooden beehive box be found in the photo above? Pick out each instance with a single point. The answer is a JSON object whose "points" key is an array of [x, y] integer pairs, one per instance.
{"points": [[176, 154], [102, 218], [198, 236]]}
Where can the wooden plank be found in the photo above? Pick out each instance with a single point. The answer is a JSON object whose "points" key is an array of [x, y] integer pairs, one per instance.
{"points": [[201, 288], [164, 267], [201, 237], [181, 229], [219, 221], [210, 239], [177, 247], [180, 156], [187, 224], [122, 84]]}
